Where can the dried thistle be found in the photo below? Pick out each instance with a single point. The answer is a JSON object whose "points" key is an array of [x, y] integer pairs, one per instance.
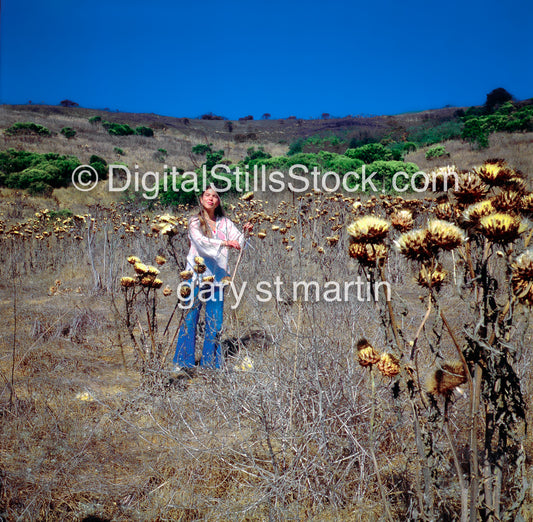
{"points": [[496, 173], [522, 278], [444, 235], [160, 260], [428, 278], [402, 220], [470, 189], [500, 227], [133, 259], [366, 353], [475, 212], [389, 365], [368, 229], [368, 254], [414, 245], [140, 268], [443, 211], [128, 282], [186, 275]]}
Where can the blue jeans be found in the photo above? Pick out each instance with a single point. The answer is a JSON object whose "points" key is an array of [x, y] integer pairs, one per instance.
{"points": [[211, 353]]}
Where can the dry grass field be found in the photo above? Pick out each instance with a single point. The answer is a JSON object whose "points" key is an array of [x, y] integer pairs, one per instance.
{"points": [[302, 423]]}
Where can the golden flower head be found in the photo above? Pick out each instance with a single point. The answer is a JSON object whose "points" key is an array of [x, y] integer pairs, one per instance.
{"points": [[332, 240], [199, 260], [368, 254], [160, 260], [226, 280], [167, 291], [127, 282], [496, 173], [133, 259], [475, 212], [445, 379], [526, 205], [500, 227], [470, 189], [368, 229], [152, 270], [186, 274], [199, 269], [169, 230], [140, 268], [185, 291], [444, 235], [248, 196], [147, 280], [156, 283], [402, 220], [443, 210], [522, 277], [208, 279], [388, 365], [414, 245], [428, 278], [507, 201], [444, 177], [261, 234], [366, 353]]}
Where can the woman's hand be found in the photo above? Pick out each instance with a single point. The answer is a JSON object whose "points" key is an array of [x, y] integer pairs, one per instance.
{"points": [[232, 244], [248, 227]]}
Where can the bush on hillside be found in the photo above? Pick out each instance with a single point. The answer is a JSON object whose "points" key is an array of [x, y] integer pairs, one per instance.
{"points": [[436, 152], [144, 131], [27, 127], [68, 132], [370, 153]]}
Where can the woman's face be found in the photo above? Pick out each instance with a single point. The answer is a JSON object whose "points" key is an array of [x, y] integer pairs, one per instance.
{"points": [[210, 200]]}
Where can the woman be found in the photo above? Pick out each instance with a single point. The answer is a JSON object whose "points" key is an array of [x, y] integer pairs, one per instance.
{"points": [[211, 235]]}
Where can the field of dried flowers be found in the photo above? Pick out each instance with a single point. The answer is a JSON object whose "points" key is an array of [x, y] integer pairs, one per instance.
{"points": [[360, 409]]}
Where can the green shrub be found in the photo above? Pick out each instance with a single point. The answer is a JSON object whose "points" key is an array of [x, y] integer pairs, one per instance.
{"points": [[338, 163], [144, 131], [100, 165], [370, 153], [296, 147], [118, 151], [68, 132], [436, 152], [201, 149], [95, 119], [431, 134], [40, 188], [409, 146], [20, 128], [118, 129], [476, 133], [385, 171]]}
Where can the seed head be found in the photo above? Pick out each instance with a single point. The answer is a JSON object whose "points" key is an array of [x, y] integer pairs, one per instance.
{"points": [[199, 269], [428, 278], [368, 254], [127, 282], [443, 211], [140, 268], [199, 260], [414, 245], [167, 291], [160, 260], [368, 229], [185, 291], [470, 189], [248, 196], [522, 277], [444, 235], [133, 259], [366, 353], [496, 173], [500, 227], [402, 220], [388, 365], [475, 212], [186, 275]]}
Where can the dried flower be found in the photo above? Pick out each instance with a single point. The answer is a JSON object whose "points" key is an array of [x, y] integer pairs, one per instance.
{"points": [[368, 254], [443, 211], [475, 212], [208, 279], [413, 245], [199, 269], [185, 291], [160, 260], [470, 189], [140, 268], [402, 220], [445, 379], [199, 260], [332, 240], [248, 196], [133, 260], [366, 353], [522, 277], [388, 365], [127, 282], [507, 201], [167, 291], [496, 173], [500, 227], [368, 229], [444, 235], [428, 278]]}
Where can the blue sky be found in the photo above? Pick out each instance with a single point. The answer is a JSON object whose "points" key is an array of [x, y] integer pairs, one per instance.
{"points": [[236, 58]]}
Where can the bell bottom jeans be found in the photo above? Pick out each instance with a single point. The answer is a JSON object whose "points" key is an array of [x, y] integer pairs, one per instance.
{"points": [[213, 298]]}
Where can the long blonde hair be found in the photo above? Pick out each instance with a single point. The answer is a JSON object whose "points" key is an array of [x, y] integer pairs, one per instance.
{"points": [[219, 212]]}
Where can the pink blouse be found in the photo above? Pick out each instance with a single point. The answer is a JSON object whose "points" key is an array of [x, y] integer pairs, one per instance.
{"points": [[210, 248]]}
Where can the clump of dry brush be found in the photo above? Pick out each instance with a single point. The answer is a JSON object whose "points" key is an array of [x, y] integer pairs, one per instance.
{"points": [[481, 234]]}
